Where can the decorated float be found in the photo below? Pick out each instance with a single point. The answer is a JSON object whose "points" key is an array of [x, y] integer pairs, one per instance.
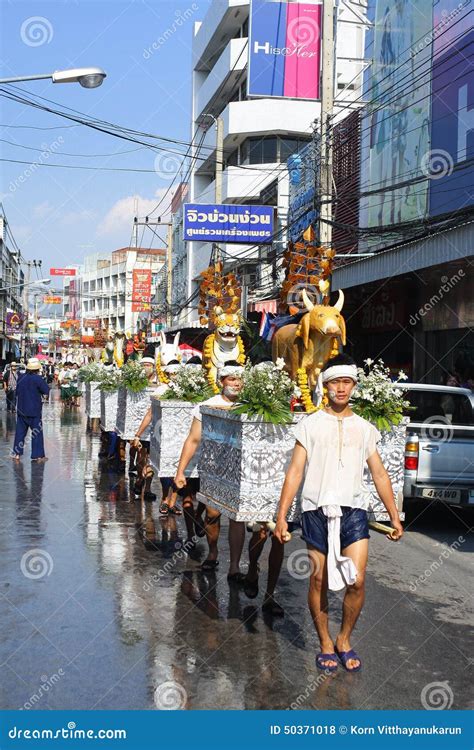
{"points": [[91, 376], [133, 400], [172, 414], [245, 451]]}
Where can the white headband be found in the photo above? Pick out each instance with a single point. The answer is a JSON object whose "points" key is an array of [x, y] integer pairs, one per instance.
{"points": [[234, 370], [336, 371], [170, 369]]}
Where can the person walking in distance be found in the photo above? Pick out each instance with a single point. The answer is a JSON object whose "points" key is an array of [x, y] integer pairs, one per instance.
{"points": [[10, 380], [332, 447], [29, 405]]}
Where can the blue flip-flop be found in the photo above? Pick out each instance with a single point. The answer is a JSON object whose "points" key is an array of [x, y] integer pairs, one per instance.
{"points": [[344, 657], [326, 657]]}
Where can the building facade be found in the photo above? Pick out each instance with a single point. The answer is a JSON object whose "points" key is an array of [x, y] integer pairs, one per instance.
{"points": [[11, 290], [104, 293], [259, 135]]}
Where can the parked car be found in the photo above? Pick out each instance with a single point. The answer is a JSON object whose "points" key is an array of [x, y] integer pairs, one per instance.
{"points": [[439, 449]]}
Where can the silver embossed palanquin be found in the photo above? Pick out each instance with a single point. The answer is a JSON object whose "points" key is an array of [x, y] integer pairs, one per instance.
{"points": [[108, 410], [171, 421], [391, 447], [243, 463], [131, 408], [92, 400]]}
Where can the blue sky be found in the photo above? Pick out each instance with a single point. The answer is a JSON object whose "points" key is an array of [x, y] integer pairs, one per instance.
{"points": [[60, 215]]}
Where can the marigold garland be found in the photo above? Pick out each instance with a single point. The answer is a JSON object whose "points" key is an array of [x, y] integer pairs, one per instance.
{"points": [[241, 358], [307, 401], [160, 372]]}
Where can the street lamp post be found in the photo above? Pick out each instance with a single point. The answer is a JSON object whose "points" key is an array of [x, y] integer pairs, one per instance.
{"points": [[89, 78]]}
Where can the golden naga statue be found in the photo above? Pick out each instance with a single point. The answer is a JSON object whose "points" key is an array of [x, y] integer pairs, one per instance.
{"points": [[307, 345]]}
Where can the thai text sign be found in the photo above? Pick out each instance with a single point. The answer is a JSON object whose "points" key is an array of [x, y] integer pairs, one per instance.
{"points": [[50, 299], [228, 223], [284, 49], [141, 290]]}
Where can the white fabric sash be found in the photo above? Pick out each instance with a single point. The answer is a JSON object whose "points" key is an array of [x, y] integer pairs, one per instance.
{"points": [[341, 570]]}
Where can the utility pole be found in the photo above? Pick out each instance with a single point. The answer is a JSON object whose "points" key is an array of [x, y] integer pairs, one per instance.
{"points": [[327, 101], [169, 274], [169, 258], [26, 288], [219, 157]]}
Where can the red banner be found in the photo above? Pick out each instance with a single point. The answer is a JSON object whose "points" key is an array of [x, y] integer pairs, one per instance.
{"points": [[141, 290], [62, 271]]}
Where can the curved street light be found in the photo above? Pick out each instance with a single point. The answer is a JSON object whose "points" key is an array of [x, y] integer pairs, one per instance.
{"points": [[89, 78]]}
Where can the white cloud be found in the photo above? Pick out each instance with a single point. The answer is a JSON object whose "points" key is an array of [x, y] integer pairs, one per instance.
{"points": [[119, 218], [42, 209], [72, 217]]}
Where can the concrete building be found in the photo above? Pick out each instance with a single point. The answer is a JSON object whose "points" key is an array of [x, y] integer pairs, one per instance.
{"points": [[101, 295], [11, 290], [259, 135]]}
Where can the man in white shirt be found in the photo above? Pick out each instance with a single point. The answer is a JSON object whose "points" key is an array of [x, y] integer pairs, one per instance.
{"points": [[230, 377], [332, 447]]}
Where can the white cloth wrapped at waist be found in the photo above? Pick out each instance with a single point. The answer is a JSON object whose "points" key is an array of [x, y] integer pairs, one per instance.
{"points": [[341, 570]]}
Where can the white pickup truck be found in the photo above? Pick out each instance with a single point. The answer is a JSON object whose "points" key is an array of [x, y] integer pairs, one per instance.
{"points": [[439, 449]]}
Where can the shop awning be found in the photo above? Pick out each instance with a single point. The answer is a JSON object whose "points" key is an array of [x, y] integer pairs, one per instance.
{"points": [[263, 305], [453, 244]]}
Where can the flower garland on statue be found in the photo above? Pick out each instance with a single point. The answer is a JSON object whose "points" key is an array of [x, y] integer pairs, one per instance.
{"points": [[302, 379], [163, 377]]}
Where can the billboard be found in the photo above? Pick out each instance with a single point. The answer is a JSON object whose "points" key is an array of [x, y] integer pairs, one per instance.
{"points": [[50, 299], [214, 222], [62, 271], [284, 49], [452, 109], [74, 299], [141, 290], [395, 140], [13, 323]]}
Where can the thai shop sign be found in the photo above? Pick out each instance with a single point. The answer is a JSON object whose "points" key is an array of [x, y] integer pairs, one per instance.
{"points": [[211, 222]]}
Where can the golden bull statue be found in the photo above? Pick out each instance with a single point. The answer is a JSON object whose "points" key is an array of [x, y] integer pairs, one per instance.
{"points": [[309, 343]]}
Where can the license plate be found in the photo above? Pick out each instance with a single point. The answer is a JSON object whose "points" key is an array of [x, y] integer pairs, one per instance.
{"points": [[435, 494]]}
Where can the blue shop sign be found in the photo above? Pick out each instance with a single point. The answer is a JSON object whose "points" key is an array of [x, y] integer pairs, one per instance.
{"points": [[210, 222]]}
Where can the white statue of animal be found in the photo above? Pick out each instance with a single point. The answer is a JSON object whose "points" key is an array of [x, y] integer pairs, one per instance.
{"points": [[167, 351]]}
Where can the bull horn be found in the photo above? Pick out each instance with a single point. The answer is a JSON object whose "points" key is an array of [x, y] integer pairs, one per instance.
{"points": [[340, 301], [306, 300]]}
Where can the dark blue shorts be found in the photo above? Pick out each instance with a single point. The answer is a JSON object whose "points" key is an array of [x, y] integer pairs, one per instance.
{"points": [[354, 526]]}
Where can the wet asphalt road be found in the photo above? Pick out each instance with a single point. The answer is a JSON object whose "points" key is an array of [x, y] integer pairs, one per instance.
{"points": [[101, 610]]}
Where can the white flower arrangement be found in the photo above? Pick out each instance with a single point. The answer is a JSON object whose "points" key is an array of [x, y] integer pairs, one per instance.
{"points": [[266, 393], [90, 373], [376, 397], [188, 384]]}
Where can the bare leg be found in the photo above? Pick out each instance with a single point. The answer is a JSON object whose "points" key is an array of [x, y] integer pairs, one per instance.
{"points": [[354, 597], [188, 512], [256, 545], [212, 528], [236, 544], [275, 560], [318, 602]]}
